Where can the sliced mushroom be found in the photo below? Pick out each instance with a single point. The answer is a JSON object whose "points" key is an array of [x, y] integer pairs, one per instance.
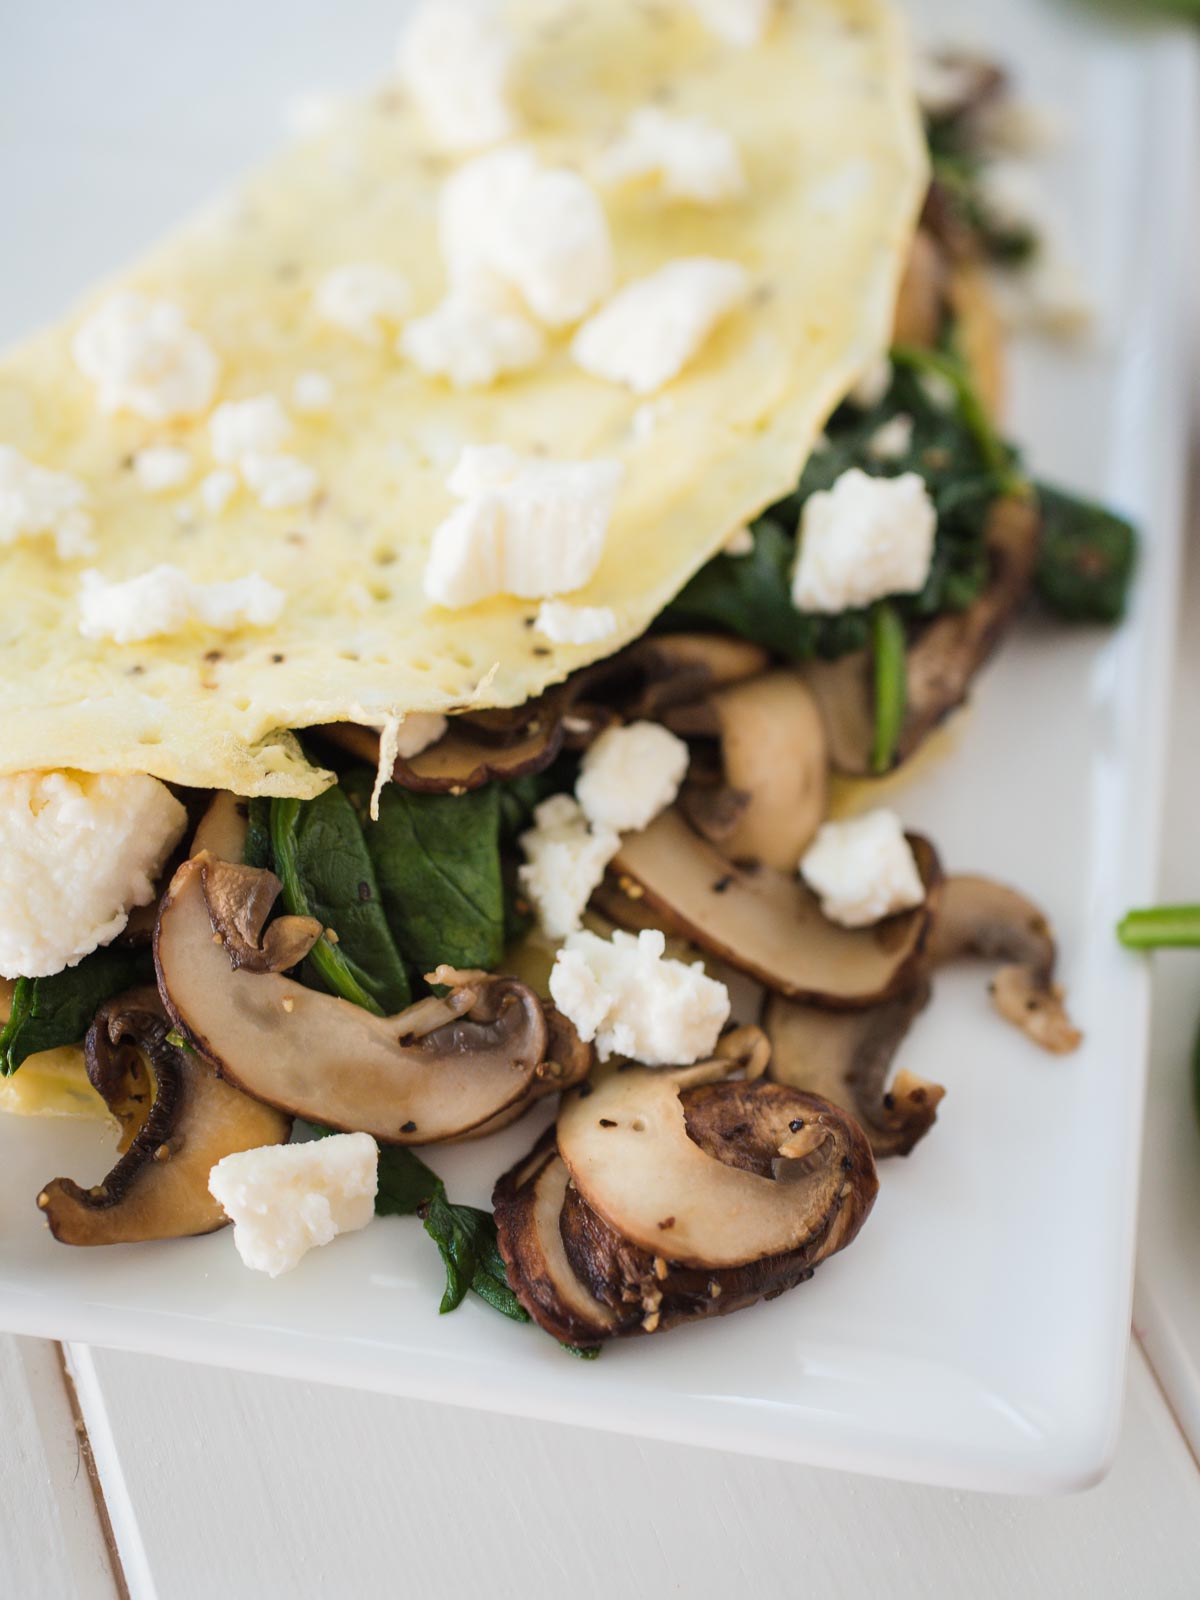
{"points": [[432, 1073], [942, 659], [585, 1281], [765, 922], [979, 917], [665, 670], [180, 1119], [921, 303], [629, 1151], [845, 1057], [774, 779], [465, 758], [223, 827]]}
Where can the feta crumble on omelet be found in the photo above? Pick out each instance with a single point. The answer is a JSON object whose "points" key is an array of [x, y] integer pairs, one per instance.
{"points": [[142, 356], [454, 59], [525, 527], [35, 501], [77, 852], [165, 600]]}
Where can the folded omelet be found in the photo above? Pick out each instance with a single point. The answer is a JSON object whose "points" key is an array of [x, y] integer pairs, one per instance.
{"points": [[340, 516]]}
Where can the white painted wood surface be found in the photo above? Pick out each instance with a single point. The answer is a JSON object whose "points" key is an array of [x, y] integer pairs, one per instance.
{"points": [[250, 1488], [51, 1539]]}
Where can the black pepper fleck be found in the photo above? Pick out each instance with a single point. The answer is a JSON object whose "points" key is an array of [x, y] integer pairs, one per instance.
{"points": [[364, 890], [607, 1122], [889, 1101], [409, 1127], [585, 1089], [847, 1164], [796, 1124]]}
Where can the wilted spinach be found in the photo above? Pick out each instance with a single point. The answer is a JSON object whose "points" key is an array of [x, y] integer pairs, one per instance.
{"points": [[50, 1012]]}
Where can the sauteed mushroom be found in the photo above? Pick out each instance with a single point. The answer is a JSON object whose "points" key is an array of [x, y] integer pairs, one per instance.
{"points": [[467, 756], [845, 1057], [435, 1072], [921, 303], [979, 917], [762, 921], [675, 1196], [179, 1118], [774, 762], [942, 659]]}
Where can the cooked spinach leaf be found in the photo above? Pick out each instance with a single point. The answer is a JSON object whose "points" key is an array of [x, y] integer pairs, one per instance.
{"points": [[464, 1235], [258, 851], [325, 868], [437, 861], [49, 1012], [1087, 560], [965, 466]]}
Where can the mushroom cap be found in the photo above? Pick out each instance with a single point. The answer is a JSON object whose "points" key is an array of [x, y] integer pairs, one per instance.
{"points": [[434, 1072], [159, 1187]]}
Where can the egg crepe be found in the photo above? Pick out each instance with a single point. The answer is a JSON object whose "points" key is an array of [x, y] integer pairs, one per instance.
{"points": [[824, 119]]}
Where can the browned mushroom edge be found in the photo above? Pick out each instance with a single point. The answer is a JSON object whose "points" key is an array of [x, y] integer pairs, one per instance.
{"points": [[762, 921], [580, 1276], [179, 1119], [979, 917], [436, 1072], [845, 1057], [943, 658]]}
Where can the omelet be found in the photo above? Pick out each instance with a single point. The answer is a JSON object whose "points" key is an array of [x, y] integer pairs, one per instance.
{"points": [[829, 139]]}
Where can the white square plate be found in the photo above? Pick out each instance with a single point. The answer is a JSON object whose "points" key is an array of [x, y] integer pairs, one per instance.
{"points": [[975, 1335]]}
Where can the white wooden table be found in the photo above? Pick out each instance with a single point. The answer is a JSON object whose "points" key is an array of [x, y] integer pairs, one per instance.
{"points": [[123, 1475]]}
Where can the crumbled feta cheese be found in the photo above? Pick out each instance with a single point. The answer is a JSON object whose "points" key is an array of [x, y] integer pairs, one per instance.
{"points": [[892, 439], [526, 527], [863, 870], [77, 852], [627, 996], [35, 501], [864, 538], [630, 774], [470, 342], [165, 599], [162, 467], [739, 543], [872, 386], [538, 230], [142, 356], [563, 623], [286, 1199], [740, 22], [217, 489], [939, 390], [312, 394], [363, 299], [279, 481], [692, 157], [454, 59], [648, 333], [256, 426], [417, 732], [565, 860]]}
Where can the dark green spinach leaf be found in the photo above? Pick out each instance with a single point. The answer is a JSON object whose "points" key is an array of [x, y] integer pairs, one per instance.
{"points": [[437, 861], [1087, 560], [325, 868], [49, 1012]]}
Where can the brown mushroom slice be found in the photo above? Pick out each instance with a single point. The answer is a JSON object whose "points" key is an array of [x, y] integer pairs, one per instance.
{"points": [[942, 659], [432, 1073], [665, 670], [528, 1204], [464, 758], [582, 1281], [978, 917], [921, 302], [845, 1057], [223, 827], [764, 922], [159, 1187], [632, 1158], [774, 768]]}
